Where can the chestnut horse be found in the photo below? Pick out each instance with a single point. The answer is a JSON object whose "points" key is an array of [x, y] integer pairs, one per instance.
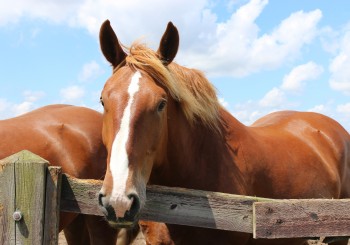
{"points": [[69, 137], [163, 124]]}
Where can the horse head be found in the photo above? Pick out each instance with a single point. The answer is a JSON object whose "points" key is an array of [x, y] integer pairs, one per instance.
{"points": [[134, 132]]}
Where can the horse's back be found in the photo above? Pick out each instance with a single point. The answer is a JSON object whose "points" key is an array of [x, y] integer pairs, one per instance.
{"points": [[302, 124], [68, 136], [309, 149]]}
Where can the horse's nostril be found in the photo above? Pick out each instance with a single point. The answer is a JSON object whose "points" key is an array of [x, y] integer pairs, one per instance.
{"points": [[100, 196], [135, 206]]}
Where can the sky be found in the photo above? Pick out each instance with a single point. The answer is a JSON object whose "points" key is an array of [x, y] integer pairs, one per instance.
{"points": [[262, 56]]}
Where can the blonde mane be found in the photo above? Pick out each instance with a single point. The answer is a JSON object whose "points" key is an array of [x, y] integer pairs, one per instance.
{"points": [[196, 95]]}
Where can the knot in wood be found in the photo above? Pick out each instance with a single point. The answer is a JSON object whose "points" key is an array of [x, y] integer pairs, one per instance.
{"points": [[314, 216], [173, 206]]}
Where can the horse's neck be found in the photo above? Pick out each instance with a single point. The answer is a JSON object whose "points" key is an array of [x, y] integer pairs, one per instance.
{"points": [[197, 156]]}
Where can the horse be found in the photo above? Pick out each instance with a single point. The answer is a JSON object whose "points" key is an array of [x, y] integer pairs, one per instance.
{"points": [[163, 124], [70, 137]]}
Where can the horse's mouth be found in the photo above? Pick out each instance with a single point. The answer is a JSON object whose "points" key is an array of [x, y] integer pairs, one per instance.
{"points": [[116, 222], [125, 222], [121, 223]]}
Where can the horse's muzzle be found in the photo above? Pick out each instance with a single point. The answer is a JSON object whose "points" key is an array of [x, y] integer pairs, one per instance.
{"points": [[130, 217]]}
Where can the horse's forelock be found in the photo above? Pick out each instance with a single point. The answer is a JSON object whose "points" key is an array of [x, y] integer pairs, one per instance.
{"points": [[189, 87]]}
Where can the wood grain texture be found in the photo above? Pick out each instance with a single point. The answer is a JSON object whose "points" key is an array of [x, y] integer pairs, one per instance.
{"points": [[7, 203], [271, 218], [302, 218], [52, 205], [169, 205], [199, 208], [30, 177], [80, 196]]}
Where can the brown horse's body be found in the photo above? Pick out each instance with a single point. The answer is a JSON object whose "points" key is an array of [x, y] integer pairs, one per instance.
{"points": [[69, 137], [163, 125], [309, 158]]}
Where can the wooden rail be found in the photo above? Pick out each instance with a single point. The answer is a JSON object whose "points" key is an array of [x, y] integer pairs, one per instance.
{"points": [[302, 218], [265, 218], [170, 205], [25, 184]]}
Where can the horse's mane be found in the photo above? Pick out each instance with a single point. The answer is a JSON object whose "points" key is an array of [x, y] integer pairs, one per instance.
{"points": [[196, 95]]}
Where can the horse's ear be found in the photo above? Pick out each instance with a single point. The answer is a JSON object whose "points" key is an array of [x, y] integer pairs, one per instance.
{"points": [[110, 46], [169, 44]]}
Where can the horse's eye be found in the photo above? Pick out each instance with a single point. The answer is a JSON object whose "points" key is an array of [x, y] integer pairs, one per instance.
{"points": [[161, 105], [101, 101]]}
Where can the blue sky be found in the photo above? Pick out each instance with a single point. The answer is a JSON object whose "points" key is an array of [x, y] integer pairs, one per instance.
{"points": [[261, 55]]}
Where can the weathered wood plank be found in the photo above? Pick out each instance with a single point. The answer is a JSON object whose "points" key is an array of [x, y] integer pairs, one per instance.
{"points": [[199, 208], [52, 205], [169, 205], [30, 177], [80, 196], [7, 201], [301, 218]]}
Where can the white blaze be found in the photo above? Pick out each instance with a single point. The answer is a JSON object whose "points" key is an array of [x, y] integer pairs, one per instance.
{"points": [[119, 161]]}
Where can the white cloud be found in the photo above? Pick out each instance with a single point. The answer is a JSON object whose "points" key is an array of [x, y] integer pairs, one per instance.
{"points": [[205, 41], [72, 93], [342, 115], [286, 41], [28, 103], [90, 71], [251, 111], [247, 112], [344, 108], [277, 97], [318, 108], [250, 52], [32, 96], [327, 108], [10, 109], [329, 39], [51, 10], [274, 98], [223, 102], [4, 105], [339, 66], [295, 80], [90, 14], [24, 107]]}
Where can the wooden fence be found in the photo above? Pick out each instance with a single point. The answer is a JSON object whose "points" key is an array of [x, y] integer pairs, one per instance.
{"points": [[31, 197]]}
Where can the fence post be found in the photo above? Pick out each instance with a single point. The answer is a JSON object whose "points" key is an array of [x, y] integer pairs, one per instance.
{"points": [[23, 179], [52, 205]]}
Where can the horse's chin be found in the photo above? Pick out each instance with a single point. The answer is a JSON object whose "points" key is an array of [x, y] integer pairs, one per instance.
{"points": [[114, 222], [121, 223]]}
